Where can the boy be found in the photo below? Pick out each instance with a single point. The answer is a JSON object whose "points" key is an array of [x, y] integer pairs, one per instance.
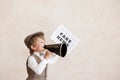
{"points": [[39, 57]]}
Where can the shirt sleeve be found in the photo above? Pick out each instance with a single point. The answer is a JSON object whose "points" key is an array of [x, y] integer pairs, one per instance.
{"points": [[53, 59], [37, 68]]}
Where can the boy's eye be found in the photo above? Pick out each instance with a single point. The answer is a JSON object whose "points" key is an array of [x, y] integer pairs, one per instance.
{"points": [[41, 42]]}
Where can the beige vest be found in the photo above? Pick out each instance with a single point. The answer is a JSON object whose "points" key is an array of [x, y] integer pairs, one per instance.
{"points": [[32, 75]]}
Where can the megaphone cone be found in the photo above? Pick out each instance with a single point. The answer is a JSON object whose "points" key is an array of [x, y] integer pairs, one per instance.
{"points": [[59, 49]]}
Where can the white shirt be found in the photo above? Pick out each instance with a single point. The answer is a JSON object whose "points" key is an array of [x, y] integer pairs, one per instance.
{"points": [[38, 68]]}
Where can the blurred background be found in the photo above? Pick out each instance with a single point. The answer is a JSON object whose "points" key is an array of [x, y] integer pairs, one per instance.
{"points": [[96, 23]]}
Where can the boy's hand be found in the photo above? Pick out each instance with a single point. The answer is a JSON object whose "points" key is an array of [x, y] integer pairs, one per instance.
{"points": [[48, 54]]}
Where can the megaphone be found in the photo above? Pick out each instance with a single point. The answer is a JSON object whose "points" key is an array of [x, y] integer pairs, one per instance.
{"points": [[59, 49]]}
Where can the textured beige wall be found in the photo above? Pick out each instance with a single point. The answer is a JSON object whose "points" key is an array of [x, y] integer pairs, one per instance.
{"points": [[95, 22]]}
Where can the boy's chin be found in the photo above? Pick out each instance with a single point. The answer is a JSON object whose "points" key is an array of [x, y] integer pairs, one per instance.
{"points": [[42, 50]]}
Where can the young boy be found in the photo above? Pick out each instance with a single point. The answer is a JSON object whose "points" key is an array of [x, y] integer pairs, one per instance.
{"points": [[39, 57]]}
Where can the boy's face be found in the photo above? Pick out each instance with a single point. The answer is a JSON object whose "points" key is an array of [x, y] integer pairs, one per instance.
{"points": [[38, 45]]}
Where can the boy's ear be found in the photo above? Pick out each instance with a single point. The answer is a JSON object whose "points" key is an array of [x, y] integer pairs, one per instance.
{"points": [[32, 47]]}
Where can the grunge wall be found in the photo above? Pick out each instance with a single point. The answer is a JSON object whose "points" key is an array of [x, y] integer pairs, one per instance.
{"points": [[95, 22]]}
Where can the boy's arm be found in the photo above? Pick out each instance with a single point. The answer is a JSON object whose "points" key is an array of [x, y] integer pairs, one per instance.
{"points": [[37, 68], [52, 58]]}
